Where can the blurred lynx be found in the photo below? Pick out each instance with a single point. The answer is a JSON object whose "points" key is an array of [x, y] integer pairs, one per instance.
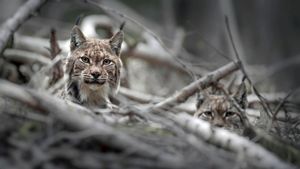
{"points": [[93, 69], [219, 111]]}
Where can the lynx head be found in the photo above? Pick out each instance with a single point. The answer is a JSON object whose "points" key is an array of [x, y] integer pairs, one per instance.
{"points": [[93, 66], [219, 111]]}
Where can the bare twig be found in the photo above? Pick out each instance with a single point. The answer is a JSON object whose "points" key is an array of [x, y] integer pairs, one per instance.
{"points": [[166, 50], [12, 24], [269, 97], [263, 103], [279, 147], [148, 51], [192, 88], [147, 98], [242, 112], [229, 141], [279, 106], [110, 10], [277, 109], [25, 57], [138, 96], [56, 72], [118, 11], [54, 47], [80, 118], [37, 44]]}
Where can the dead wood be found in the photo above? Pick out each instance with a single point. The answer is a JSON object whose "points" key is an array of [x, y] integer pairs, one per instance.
{"points": [[25, 57], [281, 148], [217, 146], [230, 141], [56, 71], [197, 85], [147, 98], [12, 24], [54, 46], [265, 105], [149, 51], [80, 118]]}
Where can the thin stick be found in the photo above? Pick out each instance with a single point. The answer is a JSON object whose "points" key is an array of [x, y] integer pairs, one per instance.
{"points": [[242, 111], [277, 109], [242, 68], [281, 104], [56, 72], [25, 57], [81, 118], [182, 65], [54, 46], [229, 140], [147, 98], [195, 86], [12, 24]]}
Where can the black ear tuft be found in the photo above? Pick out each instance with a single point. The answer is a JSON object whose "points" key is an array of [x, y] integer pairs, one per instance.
{"points": [[79, 19], [77, 38], [200, 99], [117, 40], [122, 25], [241, 95]]}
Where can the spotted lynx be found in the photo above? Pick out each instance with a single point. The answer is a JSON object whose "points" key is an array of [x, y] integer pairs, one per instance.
{"points": [[93, 68], [219, 111]]}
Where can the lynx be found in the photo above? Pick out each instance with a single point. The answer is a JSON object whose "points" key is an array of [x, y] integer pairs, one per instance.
{"points": [[219, 111], [93, 68]]}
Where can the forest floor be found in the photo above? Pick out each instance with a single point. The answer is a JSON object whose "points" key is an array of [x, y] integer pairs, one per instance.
{"points": [[42, 131]]}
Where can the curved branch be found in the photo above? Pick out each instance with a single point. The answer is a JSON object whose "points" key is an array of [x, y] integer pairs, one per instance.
{"points": [[25, 57], [197, 85], [12, 24]]}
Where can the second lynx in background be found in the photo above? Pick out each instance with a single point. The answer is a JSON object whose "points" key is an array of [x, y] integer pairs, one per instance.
{"points": [[220, 111]]}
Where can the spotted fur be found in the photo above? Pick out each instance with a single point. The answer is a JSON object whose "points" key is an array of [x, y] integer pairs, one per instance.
{"points": [[219, 111], [93, 69]]}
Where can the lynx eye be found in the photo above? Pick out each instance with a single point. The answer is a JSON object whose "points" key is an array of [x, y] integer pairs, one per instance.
{"points": [[107, 61], [208, 114], [85, 59], [229, 114]]}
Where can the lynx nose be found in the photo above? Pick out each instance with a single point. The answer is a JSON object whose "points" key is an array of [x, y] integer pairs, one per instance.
{"points": [[218, 122], [95, 74], [219, 125]]}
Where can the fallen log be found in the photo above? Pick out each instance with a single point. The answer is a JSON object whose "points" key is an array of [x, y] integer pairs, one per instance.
{"points": [[230, 141], [196, 86], [80, 118]]}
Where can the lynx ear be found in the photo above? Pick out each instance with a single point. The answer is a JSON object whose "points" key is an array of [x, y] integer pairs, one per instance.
{"points": [[77, 38], [116, 41], [241, 95]]}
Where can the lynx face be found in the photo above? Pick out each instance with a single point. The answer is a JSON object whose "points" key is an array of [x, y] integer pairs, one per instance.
{"points": [[219, 111], [94, 68]]}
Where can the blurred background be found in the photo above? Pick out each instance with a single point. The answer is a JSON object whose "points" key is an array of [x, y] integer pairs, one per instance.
{"points": [[266, 34]]}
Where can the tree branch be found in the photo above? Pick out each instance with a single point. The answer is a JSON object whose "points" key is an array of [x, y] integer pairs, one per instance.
{"points": [[237, 56], [80, 118], [195, 86], [230, 141], [12, 24], [25, 57], [147, 98]]}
